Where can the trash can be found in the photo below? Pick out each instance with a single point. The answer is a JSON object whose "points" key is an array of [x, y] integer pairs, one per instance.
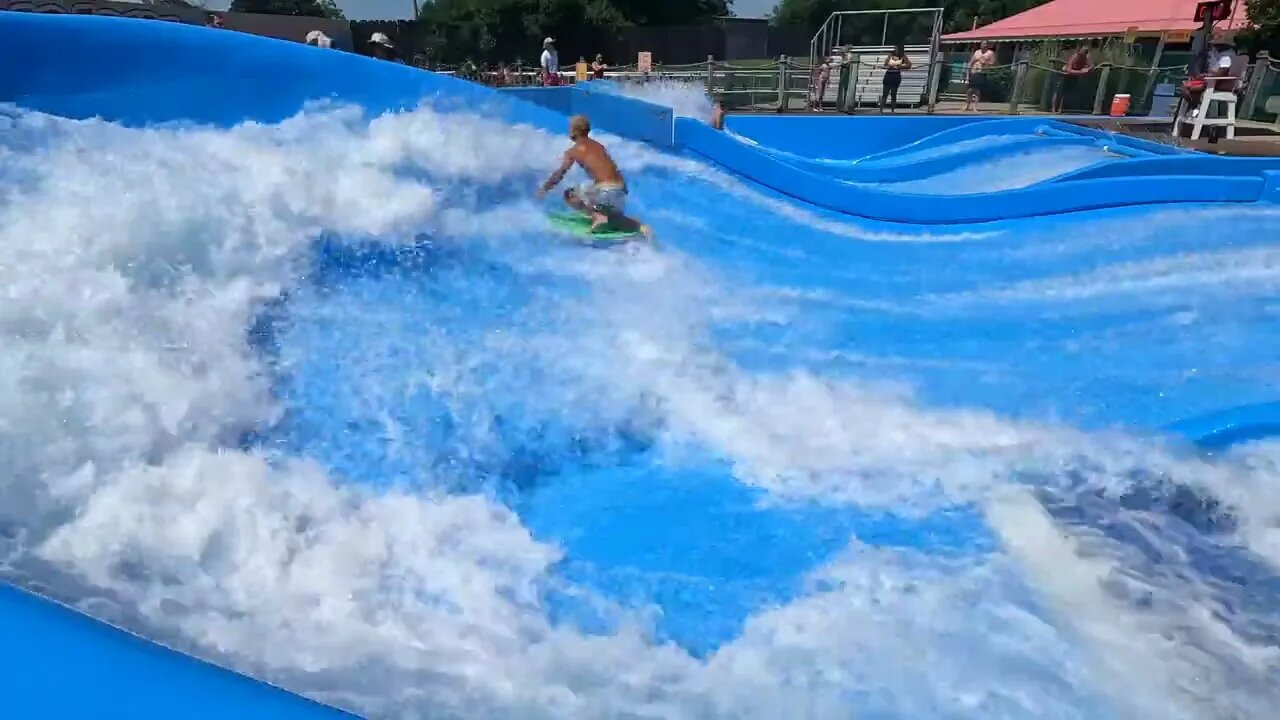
{"points": [[1163, 101]]}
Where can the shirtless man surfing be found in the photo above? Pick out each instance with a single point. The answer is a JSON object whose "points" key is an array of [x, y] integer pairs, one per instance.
{"points": [[605, 197]]}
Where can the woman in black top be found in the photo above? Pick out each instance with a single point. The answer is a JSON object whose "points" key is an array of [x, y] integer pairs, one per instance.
{"points": [[894, 63]]}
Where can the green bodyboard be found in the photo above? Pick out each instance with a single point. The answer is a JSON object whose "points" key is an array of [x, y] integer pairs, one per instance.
{"points": [[579, 226]]}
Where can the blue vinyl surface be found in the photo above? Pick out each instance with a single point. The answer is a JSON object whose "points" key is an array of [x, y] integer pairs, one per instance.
{"points": [[594, 485]]}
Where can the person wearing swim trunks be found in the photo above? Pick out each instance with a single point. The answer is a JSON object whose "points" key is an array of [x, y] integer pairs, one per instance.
{"points": [[604, 199]]}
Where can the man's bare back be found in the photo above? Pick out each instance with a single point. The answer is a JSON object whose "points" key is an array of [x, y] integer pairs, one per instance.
{"points": [[605, 199], [595, 160]]}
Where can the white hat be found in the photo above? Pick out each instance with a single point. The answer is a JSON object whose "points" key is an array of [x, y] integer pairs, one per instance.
{"points": [[549, 41], [319, 39], [380, 39]]}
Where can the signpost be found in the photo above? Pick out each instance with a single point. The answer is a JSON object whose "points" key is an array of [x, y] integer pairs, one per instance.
{"points": [[1207, 13]]}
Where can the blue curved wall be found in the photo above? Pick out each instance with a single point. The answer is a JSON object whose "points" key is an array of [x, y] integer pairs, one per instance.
{"points": [[57, 663], [625, 116], [137, 72], [885, 170], [1220, 430], [835, 137], [1046, 199]]}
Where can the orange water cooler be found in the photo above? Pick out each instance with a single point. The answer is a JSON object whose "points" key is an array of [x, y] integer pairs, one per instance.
{"points": [[1119, 106]]}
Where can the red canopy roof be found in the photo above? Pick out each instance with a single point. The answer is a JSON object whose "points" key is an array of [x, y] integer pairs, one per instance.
{"points": [[1096, 18]]}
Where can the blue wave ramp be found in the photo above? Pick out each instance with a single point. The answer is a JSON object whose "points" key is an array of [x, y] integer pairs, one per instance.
{"points": [[347, 416], [1122, 174]]}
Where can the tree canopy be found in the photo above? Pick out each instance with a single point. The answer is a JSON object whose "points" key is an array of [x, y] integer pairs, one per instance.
{"points": [[958, 15], [1263, 31], [306, 8], [451, 30]]}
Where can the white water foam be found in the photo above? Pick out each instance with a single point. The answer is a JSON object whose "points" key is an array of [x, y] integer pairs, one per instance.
{"points": [[137, 268], [686, 99]]}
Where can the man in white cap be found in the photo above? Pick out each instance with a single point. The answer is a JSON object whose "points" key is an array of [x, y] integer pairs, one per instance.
{"points": [[319, 39], [550, 63], [383, 48]]}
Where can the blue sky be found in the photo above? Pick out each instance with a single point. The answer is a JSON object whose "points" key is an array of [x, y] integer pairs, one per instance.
{"points": [[396, 9]]}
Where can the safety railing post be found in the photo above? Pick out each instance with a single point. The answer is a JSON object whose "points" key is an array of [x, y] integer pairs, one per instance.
{"points": [[711, 72], [1257, 80], [936, 62], [1100, 96], [1047, 88], [782, 83], [1015, 93]]}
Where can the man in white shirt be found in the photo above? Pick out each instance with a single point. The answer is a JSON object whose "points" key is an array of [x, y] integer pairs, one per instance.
{"points": [[1222, 62], [550, 63]]}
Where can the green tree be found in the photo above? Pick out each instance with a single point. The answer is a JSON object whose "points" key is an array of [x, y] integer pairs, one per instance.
{"points": [[958, 14], [306, 8], [962, 14], [861, 29], [670, 12], [484, 29], [1263, 30]]}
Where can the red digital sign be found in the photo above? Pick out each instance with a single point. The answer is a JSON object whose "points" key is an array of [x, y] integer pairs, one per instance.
{"points": [[1219, 10]]}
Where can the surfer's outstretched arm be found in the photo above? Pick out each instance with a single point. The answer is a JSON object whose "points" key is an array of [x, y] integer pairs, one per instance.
{"points": [[565, 165]]}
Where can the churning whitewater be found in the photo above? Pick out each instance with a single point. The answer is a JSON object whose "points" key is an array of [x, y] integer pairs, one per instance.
{"points": [[326, 402]]}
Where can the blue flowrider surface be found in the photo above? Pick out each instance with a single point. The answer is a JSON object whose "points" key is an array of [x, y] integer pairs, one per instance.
{"points": [[946, 419]]}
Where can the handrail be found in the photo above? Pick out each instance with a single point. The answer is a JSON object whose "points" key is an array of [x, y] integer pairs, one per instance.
{"points": [[779, 84]]}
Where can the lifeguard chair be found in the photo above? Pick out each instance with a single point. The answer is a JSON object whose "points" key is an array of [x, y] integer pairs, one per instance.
{"points": [[1215, 100], [1217, 106]]}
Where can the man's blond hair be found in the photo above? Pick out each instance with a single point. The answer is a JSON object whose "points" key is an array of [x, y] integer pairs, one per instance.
{"points": [[579, 125]]}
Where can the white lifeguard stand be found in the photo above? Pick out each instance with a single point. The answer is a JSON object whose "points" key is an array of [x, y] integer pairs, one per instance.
{"points": [[1198, 116], [1219, 92]]}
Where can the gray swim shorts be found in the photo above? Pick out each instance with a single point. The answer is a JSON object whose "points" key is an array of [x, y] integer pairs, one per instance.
{"points": [[605, 197]]}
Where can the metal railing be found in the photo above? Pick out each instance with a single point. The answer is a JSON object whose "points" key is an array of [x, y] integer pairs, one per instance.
{"points": [[1023, 87], [828, 43], [1261, 99], [777, 85], [1026, 86]]}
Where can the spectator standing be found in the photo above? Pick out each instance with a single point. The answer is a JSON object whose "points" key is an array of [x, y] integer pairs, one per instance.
{"points": [[984, 58], [550, 63], [894, 63], [1077, 67], [598, 67], [821, 77]]}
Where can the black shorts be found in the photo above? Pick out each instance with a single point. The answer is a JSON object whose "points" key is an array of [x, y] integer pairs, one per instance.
{"points": [[978, 84], [892, 79]]}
